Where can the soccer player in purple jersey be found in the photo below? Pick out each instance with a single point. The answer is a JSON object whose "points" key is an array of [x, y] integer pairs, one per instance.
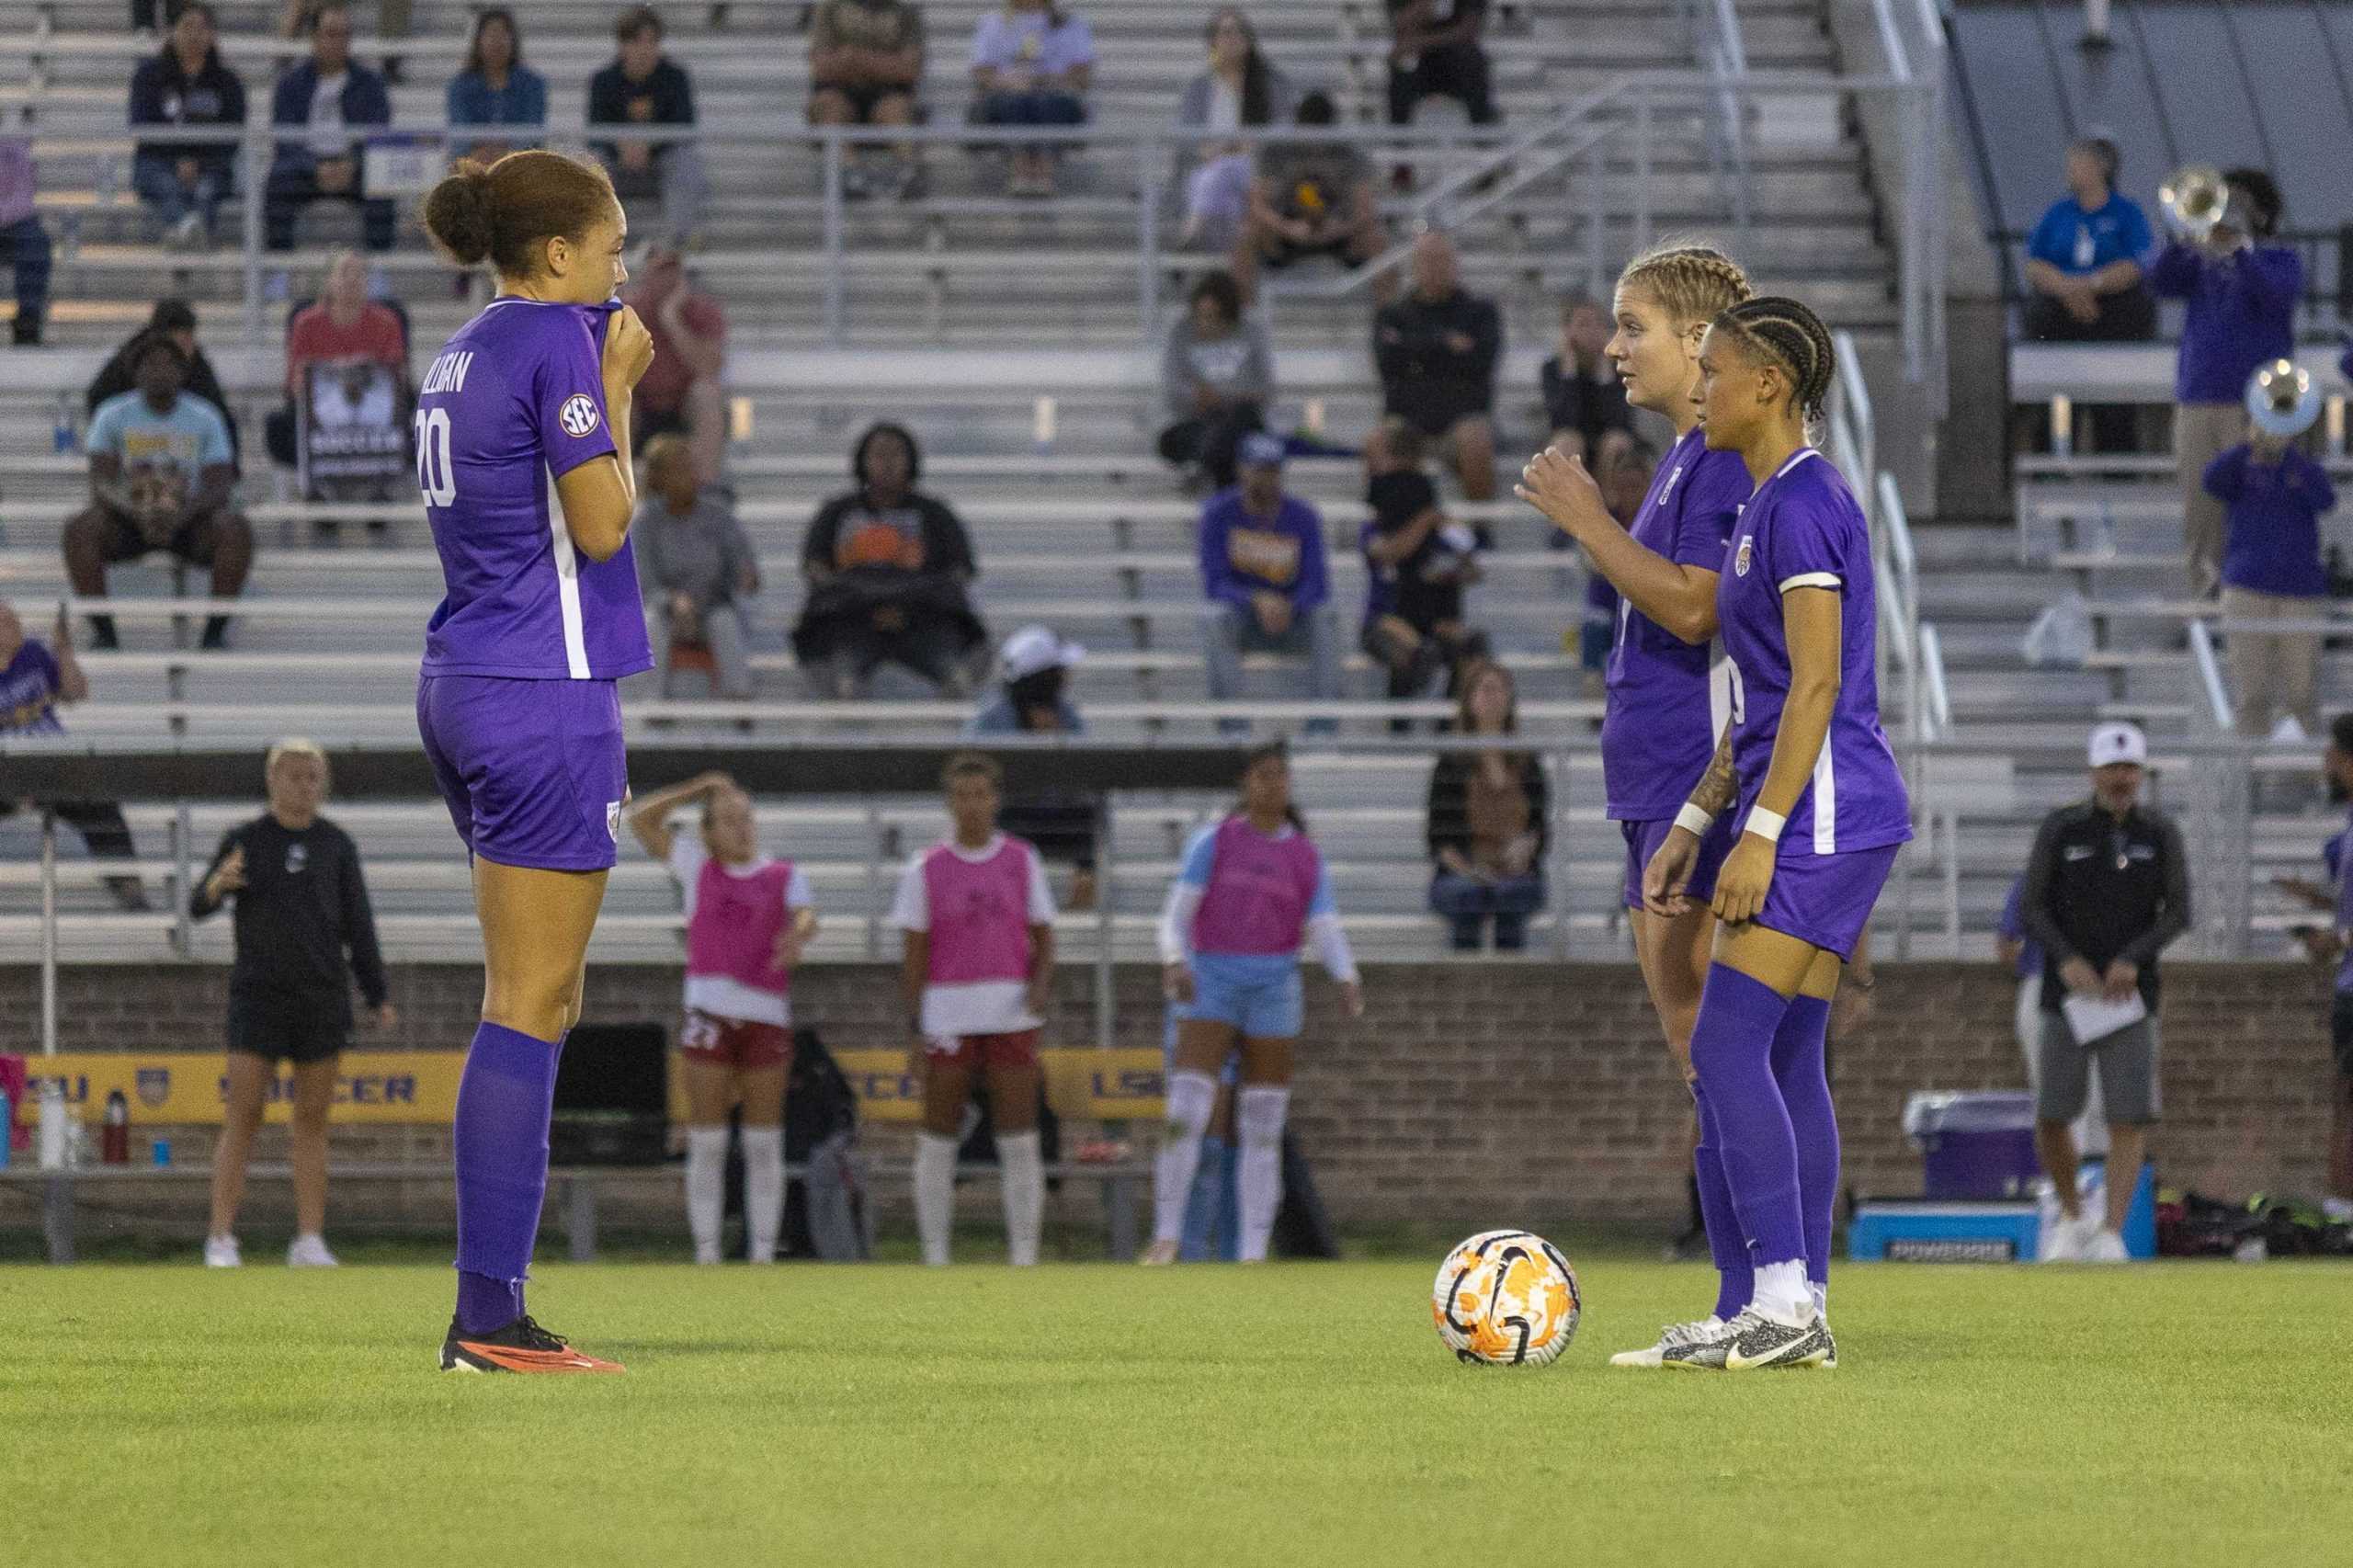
{"points": [[1669, 695], [523, 453], [1821, 811]]}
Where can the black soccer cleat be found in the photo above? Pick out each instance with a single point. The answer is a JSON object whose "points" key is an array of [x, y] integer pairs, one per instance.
{"points": [[521, 1346], [1758, 1341]]}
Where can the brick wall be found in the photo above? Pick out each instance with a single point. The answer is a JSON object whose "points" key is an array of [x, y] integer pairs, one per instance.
{"points": [[1472, 1095]]}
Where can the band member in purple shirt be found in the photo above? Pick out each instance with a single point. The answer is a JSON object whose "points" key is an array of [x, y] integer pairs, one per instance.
{"points": [[523, 453], [1669, 691], [1821, 811]]}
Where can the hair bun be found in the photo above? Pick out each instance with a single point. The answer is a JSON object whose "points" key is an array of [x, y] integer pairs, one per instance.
{"points": [[457, 214]]}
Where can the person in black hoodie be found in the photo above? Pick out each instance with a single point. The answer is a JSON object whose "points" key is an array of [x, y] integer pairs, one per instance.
{"points": [[176, 320], [183, 182], [1436, 350], [888, 570]]}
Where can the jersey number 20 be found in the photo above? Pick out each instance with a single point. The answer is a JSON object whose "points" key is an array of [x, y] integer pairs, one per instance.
{"points": [[436, 475]]}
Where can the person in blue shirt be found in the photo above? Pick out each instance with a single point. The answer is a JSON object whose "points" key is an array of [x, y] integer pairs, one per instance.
{"points": [[2272, 571], [1264, 569], [2240, 293], [321, 102], [2084, 259], [494, 87]]}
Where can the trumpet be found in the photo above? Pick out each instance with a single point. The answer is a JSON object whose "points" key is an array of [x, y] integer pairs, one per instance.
{"points": [[2195, 201]]}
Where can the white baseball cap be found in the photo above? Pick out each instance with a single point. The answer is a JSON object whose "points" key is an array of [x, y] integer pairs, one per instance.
{"points": [[1034, 649], [2112, 743]]}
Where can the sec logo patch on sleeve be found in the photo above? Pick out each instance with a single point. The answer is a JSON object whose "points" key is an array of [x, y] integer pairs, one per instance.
{"points": [[578, 417]]}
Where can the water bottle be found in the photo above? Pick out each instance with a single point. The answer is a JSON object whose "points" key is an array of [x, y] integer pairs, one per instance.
{"points": [[52, 1125], [162, 1150], [114, 1136]]}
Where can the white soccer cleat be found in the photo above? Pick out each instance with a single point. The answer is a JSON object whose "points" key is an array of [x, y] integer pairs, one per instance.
{"points": [[1159, 1254], [705, 1255], [1670, 1336], [308, 1252], [2064, 1240], [220, 1252], [2106, 1247]]}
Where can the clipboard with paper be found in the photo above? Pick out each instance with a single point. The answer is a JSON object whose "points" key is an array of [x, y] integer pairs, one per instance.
{"points": [[2093, 1018]]}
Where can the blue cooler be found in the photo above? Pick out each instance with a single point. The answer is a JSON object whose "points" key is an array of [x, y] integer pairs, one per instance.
{"points": [[1976, 1146]]}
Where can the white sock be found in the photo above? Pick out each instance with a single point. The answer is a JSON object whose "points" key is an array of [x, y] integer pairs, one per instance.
{"points": [[763, 1188], [706, 1189], [1192, 1097], [1821, 1289], [1259, 1117], [1782, 1294], [1023, 1177], [935, 1194]]}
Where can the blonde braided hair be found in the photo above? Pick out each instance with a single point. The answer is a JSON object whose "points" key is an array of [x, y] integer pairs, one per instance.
{"points": [[1691, 282]]}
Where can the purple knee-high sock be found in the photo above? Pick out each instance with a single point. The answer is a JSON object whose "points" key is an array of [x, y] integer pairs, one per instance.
{"points": [[505, 1099], [1799, 1068], [1732, 1050], [1735, 1280]]}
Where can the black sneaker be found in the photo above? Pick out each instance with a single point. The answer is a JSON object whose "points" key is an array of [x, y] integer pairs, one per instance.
{"points": [[521, 1347], [1758, 1341]]}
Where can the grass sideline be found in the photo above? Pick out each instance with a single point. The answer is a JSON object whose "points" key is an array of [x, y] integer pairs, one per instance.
{"points": [[1290, 1414]]}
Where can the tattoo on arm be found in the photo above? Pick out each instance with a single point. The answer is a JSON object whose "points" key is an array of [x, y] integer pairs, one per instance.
{"points": [[1718, 789]]}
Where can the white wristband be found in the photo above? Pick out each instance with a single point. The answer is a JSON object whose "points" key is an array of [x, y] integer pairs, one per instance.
{"points": [[1764, 824], [1694, 821]]}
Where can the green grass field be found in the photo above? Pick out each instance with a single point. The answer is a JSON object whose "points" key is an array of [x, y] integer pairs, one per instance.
{"points": [[1288, 1414]]}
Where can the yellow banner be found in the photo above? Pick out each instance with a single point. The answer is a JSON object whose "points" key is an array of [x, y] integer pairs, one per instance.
{"points": [[189, 1087], [421, 1086]]}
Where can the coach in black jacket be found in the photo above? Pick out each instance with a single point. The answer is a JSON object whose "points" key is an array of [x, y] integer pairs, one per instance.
{"points": [[300, 904], [2107, 888]]}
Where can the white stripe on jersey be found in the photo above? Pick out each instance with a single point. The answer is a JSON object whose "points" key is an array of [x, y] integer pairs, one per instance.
{"points": [[1724, 692], [1803, 453], [1825, 799], [567, 586]]}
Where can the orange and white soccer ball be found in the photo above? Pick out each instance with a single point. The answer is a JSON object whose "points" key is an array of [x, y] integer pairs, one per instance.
{"points": [[1505, 1298]]}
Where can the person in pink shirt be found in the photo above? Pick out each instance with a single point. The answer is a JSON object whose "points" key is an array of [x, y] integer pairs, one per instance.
{"points": [[1250, 890], [748, 920], [978, 922]]}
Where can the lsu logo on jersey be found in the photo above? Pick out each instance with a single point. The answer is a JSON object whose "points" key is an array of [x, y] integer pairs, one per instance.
{"points": [[578, 416], [1745, 555]]}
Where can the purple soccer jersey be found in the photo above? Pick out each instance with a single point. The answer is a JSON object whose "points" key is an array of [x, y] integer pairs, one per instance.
{"points": [[514, 401], [1802, 529], [1665, 708]]}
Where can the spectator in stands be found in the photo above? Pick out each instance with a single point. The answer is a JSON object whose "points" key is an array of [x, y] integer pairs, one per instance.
{"points": [[494, 87], [161, 478], [645, 86], [327, 96], [2086, 257], [1436, 350], [2272, 572], [681, 391], [2241, 295], [36, 679], [1031, 65], [1311, 198], [1217, 372], [1269, 590], [1238, 90], [298, 16], [695, 564], [174, 319], [304, 932], [183, 182], [1434, 52], [24, 243], [1490, 821], [2107, 887], [1034, 666], [345, 326], [866, 68], [1417, 563], [1585, 403], [888, 570]]}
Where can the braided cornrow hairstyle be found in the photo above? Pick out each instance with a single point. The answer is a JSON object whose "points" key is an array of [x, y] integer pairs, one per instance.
{"points": [[1794, 338], [1691, 282]]}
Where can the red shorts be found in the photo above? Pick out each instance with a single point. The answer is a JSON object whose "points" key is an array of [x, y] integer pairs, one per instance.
{"points": [[1017, 1049], [737, 1043]]}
